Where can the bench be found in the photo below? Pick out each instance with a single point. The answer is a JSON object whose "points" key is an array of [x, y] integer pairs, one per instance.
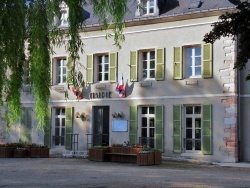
{"points": [[121, 157]]}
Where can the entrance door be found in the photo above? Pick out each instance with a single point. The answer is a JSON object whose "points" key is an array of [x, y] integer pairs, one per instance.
{"points": [[101, 126]]}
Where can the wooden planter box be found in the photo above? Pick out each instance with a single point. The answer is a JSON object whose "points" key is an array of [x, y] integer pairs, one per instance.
{"points": [[20, 153], [44, 152], [97, 154], [145, 159], [35, 152], [158, 157], [7, 152], [27, 148]]}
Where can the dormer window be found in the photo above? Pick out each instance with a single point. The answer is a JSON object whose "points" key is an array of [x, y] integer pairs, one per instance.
{"points": [[64, 14], [147, 8]]}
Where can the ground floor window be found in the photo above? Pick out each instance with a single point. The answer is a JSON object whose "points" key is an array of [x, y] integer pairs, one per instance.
{"points": [[147, 126], [59, 127], [192, 128], [192, 131]]}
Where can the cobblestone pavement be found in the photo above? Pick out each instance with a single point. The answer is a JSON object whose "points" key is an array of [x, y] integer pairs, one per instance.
{"points": [[75, 172]]}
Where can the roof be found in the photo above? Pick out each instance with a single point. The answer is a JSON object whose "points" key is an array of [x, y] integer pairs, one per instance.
{"points": [[168, 8]]}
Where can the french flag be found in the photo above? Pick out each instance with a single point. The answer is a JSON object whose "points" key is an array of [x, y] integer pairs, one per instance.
{"points": [[120, 88]]}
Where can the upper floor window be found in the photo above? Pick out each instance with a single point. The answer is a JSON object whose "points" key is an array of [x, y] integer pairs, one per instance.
{"points": [[148, 6], [148, 64], [193, 61], [64, 14], [103, 68], [61, 71]]}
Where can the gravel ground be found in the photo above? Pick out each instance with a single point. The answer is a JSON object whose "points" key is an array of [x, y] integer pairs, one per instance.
{"points": [[75, 172]]}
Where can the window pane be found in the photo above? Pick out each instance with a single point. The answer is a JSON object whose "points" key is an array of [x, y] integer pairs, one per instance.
{"points": [[197, 51], [197, 144], [144, 110], [58, 111], [197, 122], [197, 133], [188, 133], [64, 70], [151, 110], [144, 55], [189, 110], [151, 10], [143, 122], [151, 132], [144, 64], [197, 71], [152, 73], [106, 59], [106, 67], [144, 132], [144, 74], [152, 64], [57, 122], [197, 109], [63, 111], [57, 132], [64, 78], [100, 59], [64, 62], [63, 122], [152, 122], [152, 55], [106, 76], [189, 122], [100, 68], [198, 61], [151, 3]]}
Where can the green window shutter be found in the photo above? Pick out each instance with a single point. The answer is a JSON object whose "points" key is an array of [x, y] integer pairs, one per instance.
{"points": [[90, 69], [177, 129], [177, 63], [160, 61], [112, 66], [207, 129], [133, 125], [69, 127], [133, 66], [207, 61], [26, 125], [47, 130], [69, 68], [159, 127]]}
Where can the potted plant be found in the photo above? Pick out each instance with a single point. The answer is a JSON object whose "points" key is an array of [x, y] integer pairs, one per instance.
{"points": [[97, 153]]}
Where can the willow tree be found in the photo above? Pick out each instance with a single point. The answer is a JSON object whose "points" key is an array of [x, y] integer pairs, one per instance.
{"points": [[27, 35], [236, 25]]}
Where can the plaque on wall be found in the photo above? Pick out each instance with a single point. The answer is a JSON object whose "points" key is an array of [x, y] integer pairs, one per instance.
{"points": [[119, 125]]}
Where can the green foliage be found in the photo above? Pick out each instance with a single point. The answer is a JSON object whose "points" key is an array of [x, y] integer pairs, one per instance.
{"points": [[236, 25], [32, 22]]}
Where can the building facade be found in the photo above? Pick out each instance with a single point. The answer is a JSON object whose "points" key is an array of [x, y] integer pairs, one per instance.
{"points": [[182, 96]]}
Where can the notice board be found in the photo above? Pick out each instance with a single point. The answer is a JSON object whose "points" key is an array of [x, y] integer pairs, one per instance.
{"points": [[120, 125]]}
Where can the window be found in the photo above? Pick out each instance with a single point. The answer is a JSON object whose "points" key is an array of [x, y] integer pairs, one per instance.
{"points": [[103, 68], [64, 14], [59, 128], [193, 62], [61, 71], [148, 65], [148, 6], [192, 132], [147, 126]]}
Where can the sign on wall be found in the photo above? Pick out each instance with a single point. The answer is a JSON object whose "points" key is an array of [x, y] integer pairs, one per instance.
{"points": [[119, 125]]}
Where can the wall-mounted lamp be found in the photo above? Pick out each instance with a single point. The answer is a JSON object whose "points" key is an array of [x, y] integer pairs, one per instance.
{"points": [[118, 115], [83, 116]]}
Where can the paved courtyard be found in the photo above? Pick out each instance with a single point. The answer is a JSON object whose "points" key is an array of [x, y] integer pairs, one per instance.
{"points": [[75, 172]]}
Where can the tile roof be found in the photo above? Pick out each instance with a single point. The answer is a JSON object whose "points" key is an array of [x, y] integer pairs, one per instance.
{"points": [[168, 8]]}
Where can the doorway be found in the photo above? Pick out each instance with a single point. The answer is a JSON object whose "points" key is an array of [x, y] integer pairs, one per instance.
{"points": [[101, 126]]}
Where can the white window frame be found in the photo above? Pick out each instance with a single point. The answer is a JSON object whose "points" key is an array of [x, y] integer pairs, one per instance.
{"points": [[64, 14], [59, 71], [193, 58], [148, 61], [60, 116], [103, 63], [193, 116], [148, 7]]}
